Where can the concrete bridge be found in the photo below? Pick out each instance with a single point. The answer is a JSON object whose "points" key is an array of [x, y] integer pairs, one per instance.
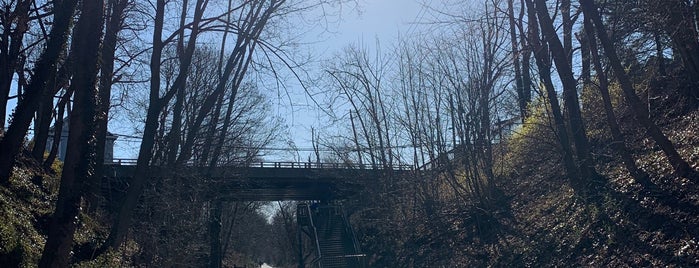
{"points": [[273, 181]]}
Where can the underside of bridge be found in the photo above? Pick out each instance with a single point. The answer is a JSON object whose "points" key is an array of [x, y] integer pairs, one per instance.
{"points": [[259, 189], [268, 184]]}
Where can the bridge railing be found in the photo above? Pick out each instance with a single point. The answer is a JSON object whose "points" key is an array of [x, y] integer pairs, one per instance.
{"points": [[300, 165], [122, 162]]}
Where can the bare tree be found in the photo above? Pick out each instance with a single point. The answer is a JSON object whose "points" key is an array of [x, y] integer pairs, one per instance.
{"points": [[360, 82], [543, 62], [680, 166], [44, 70], [14, 18], [156, 103], [617, 136], [562, 58], [522, 99]]}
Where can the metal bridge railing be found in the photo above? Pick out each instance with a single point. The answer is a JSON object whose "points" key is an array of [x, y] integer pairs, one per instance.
{"points": [[300, 165]]}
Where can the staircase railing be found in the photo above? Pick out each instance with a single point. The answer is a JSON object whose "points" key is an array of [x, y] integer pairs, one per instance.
{"points": [[315, 238], [360, 257]]}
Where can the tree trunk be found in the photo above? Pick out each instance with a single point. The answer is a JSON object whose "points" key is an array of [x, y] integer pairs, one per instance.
{"points": [[113, 24], [44, 114], [63, 103], [567, 30], [238, 60], [11, 143], [681, 27], [586, 71], [42, 122], [618, 140], [543, 63], [80, 154], [174, 136], [570, 94], [11, 43], [680, 166], [117, 233], [526, 56], [519, 83]]}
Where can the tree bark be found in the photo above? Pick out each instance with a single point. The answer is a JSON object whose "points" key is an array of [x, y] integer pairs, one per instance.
{"points": [[543, 63], [80, 154], [114, 24], [117, 234], [174, 136], [618, 140], [526, 56], [62, 106], [680, 26], [570, 94], [11, 43], [56, 83], [519, 83], [567, 30]]}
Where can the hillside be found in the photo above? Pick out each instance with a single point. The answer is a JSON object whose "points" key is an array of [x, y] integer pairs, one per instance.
{"points": [[25, 207], [538, 220]]}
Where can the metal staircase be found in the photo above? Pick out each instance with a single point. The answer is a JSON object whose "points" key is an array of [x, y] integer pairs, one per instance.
{"points": [[335, 243]]}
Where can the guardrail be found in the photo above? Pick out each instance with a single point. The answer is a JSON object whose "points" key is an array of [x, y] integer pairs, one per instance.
{"points": [[300, 165]]}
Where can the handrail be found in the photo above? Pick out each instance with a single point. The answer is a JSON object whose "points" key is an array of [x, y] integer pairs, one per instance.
{"points": [[315, 237], [355, 242], [299, 165]]}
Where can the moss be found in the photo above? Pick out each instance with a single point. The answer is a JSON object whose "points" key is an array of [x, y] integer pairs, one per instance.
{"points": [[10, 248], [24, 207]]}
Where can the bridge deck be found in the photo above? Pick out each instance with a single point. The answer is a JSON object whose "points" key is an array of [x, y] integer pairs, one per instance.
{"points": [[273, 181]]}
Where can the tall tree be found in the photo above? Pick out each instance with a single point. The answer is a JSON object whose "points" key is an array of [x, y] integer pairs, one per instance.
{"points": [[516, 55], [114, 22], [80, 149], [543, 62], [42, 122], [156, 103], [679, 18], [617, 136], [14, 21], [680, 166], [44, 69], [570, 93]]}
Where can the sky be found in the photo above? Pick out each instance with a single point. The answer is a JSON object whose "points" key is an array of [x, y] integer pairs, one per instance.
{"points": [[374, 20], [382, 21]]}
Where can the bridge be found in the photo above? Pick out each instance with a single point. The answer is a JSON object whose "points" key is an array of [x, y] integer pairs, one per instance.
{"points": [[323, 225], [273, 181]]}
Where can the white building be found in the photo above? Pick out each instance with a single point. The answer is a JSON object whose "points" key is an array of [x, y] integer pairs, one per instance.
{"points": [[63, 144]]}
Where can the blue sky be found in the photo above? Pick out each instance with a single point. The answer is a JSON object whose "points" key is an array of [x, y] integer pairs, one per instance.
{"points": [[375, 20], [382, 20]]}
